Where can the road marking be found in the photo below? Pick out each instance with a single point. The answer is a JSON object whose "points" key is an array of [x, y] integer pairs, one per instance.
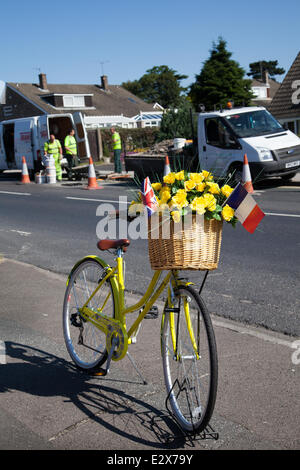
{"points": [[281, 215], [2, 352], [15, 194], [23, 234], [96, 200]]}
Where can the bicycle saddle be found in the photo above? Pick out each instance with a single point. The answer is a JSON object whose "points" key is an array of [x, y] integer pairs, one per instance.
{"points": [[113, 244]]}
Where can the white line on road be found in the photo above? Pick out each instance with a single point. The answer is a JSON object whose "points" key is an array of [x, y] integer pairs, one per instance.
{"points": [[123, 202], [2, 352], [96, 200], [15, 194], [282, 215]]}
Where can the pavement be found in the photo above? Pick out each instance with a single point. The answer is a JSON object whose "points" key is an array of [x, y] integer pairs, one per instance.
{"points": [[46, 404]]}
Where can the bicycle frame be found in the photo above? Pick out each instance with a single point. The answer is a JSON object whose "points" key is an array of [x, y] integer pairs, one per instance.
{"points": [[116, 277]]}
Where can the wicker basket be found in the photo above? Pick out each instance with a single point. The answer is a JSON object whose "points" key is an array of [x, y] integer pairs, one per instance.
{"points": [[195, 248]]}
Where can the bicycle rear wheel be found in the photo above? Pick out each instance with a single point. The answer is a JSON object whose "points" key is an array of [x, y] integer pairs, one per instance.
{"points": [[85, 343], [190, 363]]}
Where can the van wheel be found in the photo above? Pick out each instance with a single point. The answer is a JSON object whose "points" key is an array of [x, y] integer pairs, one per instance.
{"points": [[235, 174]]}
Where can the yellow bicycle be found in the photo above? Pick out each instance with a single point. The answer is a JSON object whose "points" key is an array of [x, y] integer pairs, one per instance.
{"points": [[95, 331]]}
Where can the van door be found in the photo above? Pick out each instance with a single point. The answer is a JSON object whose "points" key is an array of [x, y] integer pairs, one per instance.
{"points": [[23, 143], [221, 146], [81, 136], [42, 132]]}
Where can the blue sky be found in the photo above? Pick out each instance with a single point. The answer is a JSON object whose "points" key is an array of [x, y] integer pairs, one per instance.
{"points": [[69, 40]]}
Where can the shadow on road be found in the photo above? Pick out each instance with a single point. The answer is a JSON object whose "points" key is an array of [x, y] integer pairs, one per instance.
{"points": [[42, 374]]}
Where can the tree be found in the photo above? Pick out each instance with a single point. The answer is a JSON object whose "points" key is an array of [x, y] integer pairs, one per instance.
{"points": [[257, 69], [220, 80], [160, 84], [178, 122]]}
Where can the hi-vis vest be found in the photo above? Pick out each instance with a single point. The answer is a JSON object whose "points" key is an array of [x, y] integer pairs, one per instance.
{"points": [[52, 147], [116, 141], [70, 142]]}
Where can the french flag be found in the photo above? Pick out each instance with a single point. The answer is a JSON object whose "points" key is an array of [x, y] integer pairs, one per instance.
{"points": [[148, 196], [246, 209]]}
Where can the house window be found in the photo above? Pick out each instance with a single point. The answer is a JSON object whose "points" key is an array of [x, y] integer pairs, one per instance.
{"points": [[73, 101], [260, 92]]}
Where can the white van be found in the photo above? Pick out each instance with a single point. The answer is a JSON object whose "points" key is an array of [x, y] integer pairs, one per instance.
{"points": [[225, 136], [26, 137]]}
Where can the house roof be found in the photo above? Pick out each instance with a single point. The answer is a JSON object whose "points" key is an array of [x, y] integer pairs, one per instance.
{"points": [[115, 101], [282, 105]]}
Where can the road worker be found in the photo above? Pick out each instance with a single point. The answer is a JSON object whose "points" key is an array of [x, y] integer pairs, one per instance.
{"points": [[71, 152], [53, 147], [116, 139]]}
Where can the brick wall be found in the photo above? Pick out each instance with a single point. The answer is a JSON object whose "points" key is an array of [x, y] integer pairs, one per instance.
{"points": [[17, 107]]}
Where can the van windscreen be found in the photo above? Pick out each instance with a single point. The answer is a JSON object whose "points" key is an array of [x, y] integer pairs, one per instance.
{"points": [[253, 123]]}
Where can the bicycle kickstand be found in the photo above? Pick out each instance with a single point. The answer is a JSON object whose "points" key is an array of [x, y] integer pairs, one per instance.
{"points": [[102, 372]]}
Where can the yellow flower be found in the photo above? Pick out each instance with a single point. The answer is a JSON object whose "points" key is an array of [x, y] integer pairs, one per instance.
{"points": [[210, 202], [180, 175], [213, 188], [198, 205], [169, 178], [165, 194], [135, 208], [175, 216], [188, 185], [227, 213], [207, 175], [179, 199], [197, 177], [200, 187], [226, 190], [156, 186]]}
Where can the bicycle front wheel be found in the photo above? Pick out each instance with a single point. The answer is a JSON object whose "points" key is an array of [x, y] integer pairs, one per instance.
{"points": [[189, 360], [85, 342]]}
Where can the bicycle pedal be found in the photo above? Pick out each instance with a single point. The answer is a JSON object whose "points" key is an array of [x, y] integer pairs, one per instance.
{"points": [[153, 312]]}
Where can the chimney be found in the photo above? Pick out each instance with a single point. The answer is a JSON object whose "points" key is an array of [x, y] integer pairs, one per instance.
{"points": [[266, 81], [104, 82], [43, 81], [266, 77]]}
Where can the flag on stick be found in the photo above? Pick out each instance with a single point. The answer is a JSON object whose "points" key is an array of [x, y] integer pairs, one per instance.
{"points": [[246, 209], [148, 196]]}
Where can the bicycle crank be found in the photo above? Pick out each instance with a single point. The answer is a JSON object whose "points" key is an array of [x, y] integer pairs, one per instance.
{"points": [[116, 335]]}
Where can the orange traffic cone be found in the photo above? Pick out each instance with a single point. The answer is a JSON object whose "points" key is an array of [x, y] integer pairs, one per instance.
{"points": [[92, 181], [167, 168], [25, 177], [246, 178]]}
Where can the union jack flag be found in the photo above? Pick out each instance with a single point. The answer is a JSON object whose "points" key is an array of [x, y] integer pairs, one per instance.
{"points": [[148, 197]]}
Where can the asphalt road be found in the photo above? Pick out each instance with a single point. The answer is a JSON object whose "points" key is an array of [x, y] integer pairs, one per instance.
{"points": [[48, 405], [257, 281]]}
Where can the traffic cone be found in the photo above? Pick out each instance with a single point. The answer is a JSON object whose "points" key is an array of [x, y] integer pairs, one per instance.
{"points": [[25, 177], [167, 168], [92, 181], [246, 178]]}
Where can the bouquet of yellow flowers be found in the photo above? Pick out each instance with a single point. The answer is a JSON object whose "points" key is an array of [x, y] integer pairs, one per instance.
{"points": [[185, 192]]}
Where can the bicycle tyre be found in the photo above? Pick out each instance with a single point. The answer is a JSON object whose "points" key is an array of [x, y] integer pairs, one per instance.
{"points": [[191, 382], [85, 343]]}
